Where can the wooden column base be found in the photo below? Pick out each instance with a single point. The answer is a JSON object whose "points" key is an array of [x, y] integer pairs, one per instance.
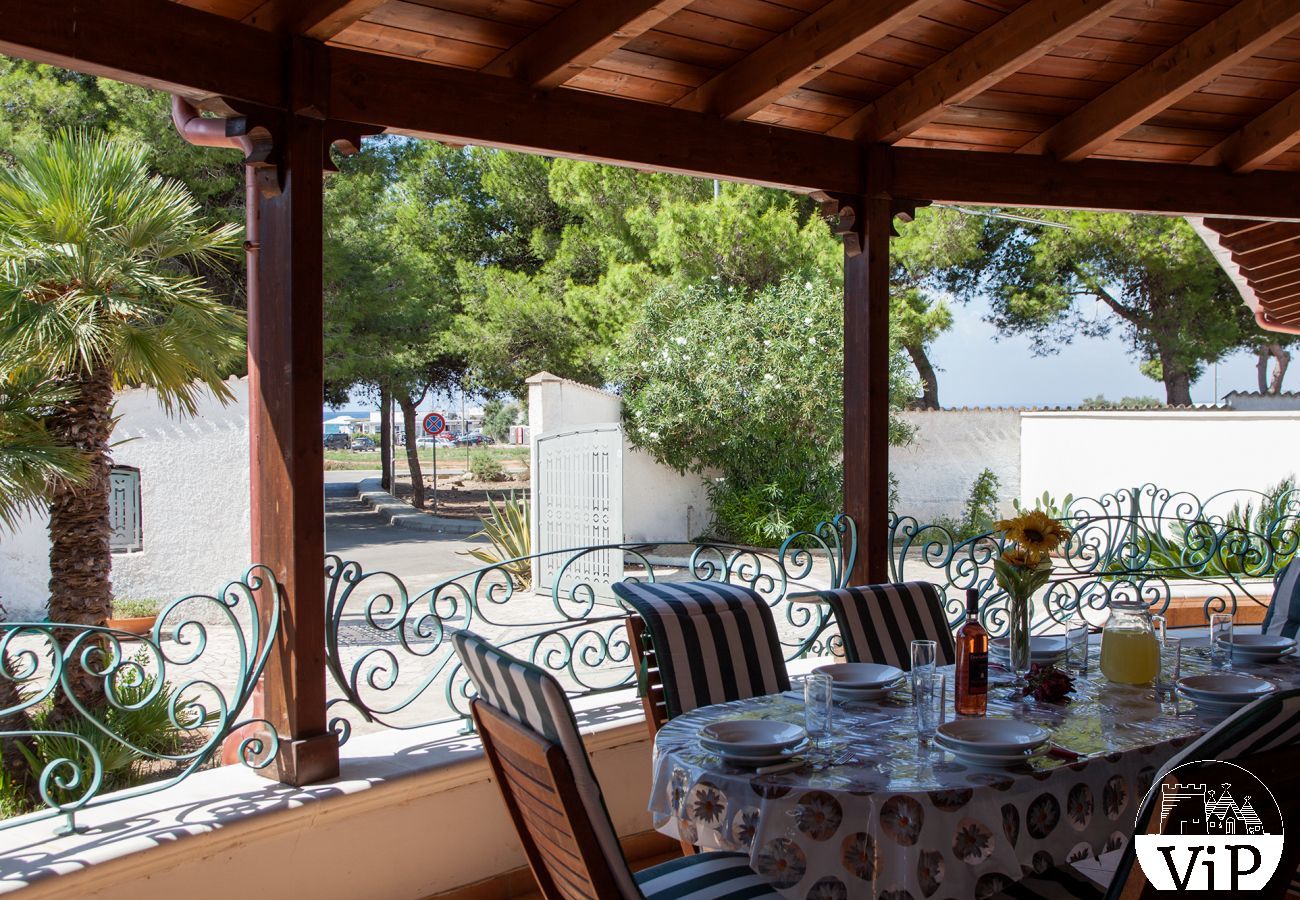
{"points": [[305, 761]]}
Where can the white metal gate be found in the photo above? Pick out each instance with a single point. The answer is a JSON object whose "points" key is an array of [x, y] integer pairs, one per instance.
{"points": [[578, 502]]}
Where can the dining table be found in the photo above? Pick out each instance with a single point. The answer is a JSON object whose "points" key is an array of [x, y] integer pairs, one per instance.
{"points": [[872, 810]]}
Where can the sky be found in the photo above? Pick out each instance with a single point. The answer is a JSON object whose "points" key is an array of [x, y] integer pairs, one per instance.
{"points": [[976, 368]]}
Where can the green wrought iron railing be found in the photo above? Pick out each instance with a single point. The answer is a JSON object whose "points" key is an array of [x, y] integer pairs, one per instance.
{"points": [[390, 666], [93, 715]]}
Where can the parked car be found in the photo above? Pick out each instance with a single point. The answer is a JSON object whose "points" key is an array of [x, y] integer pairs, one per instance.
{"points": [[338, 441], [424, 442], [363, 443], [475, 439]]}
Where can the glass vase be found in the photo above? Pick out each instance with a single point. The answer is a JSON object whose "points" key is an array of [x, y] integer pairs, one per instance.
{"points": [[1018, 614]]}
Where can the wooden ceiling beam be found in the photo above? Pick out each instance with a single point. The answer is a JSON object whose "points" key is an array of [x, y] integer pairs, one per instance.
{"points": [[316, 19], [1237, 34], [1279, 279], [1269, 235], [1251, 262], [472, 108], [1263, 272], [1279, 294], [579, 37], [1008, 179], [819, 42], [998, 51], [1227, 228], [1260, 140], [152, 43]]}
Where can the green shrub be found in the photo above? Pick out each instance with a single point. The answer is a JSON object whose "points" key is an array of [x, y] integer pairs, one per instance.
{"points": [[980, 511], [135, 607], [486, 467]]}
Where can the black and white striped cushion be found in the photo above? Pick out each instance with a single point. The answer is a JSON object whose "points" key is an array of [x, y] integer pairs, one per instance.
{"points": [[713, 642], [879, 622], [1283, 615], [534, 698], [705, 876]]}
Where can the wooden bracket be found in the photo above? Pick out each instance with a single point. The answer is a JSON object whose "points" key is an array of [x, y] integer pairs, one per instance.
{"points": [[843, 212], [345, 138]]}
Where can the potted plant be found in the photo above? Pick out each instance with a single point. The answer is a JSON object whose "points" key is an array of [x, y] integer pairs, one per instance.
{"points": [[134, 616]]}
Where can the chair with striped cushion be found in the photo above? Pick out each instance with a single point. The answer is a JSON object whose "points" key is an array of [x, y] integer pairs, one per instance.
{"points": [[712, 642], [1262, 737], [878, 622], [1283, 615], [532, 743]]}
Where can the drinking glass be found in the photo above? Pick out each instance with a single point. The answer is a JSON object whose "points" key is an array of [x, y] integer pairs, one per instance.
{"points": [[1171, 664], [1160, 625], [1221, 640], [817, 708], [923, 657], [1076, 643], [930, 694]]}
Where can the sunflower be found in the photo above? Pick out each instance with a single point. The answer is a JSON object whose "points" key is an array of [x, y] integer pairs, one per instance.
{"points": [[1025, 559], [1035, 532]]}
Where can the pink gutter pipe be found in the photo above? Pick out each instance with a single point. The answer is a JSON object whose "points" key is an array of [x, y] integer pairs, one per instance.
{"points": [[203, 132], [1263, 321]]}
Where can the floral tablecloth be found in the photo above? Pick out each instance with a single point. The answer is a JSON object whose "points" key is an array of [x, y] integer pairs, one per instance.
{"points": [[875, 814]]}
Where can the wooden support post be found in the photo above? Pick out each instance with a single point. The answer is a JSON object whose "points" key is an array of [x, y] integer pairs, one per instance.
{"points": [[866, 376], [286, 387]]}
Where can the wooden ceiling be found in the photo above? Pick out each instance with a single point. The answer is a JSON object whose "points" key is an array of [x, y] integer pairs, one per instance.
{"points": [[1263, 260], [1200, 82]]}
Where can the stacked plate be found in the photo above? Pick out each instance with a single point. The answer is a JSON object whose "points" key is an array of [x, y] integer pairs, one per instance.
{"points": [[1223, 693], [753, 742], [862, 681], [1044, 649], [1260, 647], [991, 742]]}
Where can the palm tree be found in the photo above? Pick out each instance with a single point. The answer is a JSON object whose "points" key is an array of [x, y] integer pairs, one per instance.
{"points": [[96, 290]]}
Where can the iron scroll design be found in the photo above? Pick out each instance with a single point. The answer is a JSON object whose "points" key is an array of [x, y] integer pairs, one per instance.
{"points": [[391, 666], [170, 676], [1144, 543]]}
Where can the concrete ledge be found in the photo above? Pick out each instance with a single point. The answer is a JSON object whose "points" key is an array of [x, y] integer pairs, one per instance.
{"points": [[370, 491], [413, 814]]}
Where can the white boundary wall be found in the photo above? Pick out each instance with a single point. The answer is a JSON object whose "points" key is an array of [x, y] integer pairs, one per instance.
{"points": [[658, 503], [1201, 451], [194, 487], [949, 450]]}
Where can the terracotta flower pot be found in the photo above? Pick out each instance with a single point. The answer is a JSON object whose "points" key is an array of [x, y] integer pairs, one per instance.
{"points": [[137, 625]]}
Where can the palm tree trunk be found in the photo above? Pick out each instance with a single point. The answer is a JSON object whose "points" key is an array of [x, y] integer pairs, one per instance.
{"points": [[80, 561]]}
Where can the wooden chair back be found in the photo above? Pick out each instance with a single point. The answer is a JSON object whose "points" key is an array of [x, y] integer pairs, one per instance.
{"points": [[538, 786], [650, 682]]}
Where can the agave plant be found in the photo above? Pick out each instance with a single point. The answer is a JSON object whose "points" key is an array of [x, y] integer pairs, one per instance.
{"points": [[508, 528]]}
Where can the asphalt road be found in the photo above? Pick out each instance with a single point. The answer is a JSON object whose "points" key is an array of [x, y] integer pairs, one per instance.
{"points": [[353, 532]]}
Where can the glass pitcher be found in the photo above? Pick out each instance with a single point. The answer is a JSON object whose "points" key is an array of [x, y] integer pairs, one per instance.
{"points": [[1130, 653]]}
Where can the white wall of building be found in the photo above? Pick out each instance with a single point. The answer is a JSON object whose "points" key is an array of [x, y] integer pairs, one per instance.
{"points": [[1201, 451], [194, 487], [949, 449], [658, 503]]}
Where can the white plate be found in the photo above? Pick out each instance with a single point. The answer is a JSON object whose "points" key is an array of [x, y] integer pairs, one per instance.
{"points": [[880, 693], [1042, 647], [759, 759], [1225, 686], [999, 760], [758, 736], [1260, 643], [861, 675], [985, 735]]}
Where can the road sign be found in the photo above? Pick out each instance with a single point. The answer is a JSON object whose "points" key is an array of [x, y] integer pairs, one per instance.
{"points": [[434, 424]]}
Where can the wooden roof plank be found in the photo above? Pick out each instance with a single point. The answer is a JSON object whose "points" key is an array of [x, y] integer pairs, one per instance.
{"points": [[1268, 235], [579, 37], [1261, 140], [1023, 36], [316, 19], [793, 58], [1201, 57]]}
